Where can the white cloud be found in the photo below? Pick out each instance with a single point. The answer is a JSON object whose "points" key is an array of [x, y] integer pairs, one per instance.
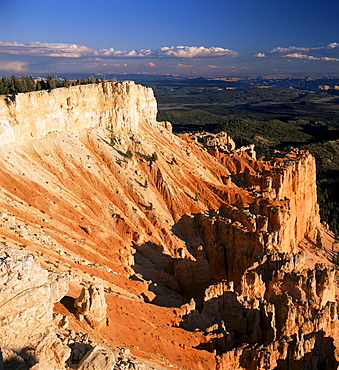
{"points": [[301, 56], [328, 59], [195, 52], [122, 53], [180, 65], [289, 50], [260, 55], [13, 66], [44, 49], [150, 64], [64, 50], [329, 53]]}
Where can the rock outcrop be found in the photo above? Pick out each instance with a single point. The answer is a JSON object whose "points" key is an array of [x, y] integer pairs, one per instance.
{"points": [[205, 256], [28, 293], [91, 305]]}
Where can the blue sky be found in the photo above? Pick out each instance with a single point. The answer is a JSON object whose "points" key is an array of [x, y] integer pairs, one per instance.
{"points": [[210, 37]]}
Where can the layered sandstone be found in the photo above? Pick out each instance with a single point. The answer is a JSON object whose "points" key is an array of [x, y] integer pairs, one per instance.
{"points": [[205, 255]]}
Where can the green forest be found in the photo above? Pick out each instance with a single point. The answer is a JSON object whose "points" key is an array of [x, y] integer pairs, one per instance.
{"points": [[15, 84]]}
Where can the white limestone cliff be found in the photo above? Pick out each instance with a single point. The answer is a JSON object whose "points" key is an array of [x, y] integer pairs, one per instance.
{"points": [[117, 105]]}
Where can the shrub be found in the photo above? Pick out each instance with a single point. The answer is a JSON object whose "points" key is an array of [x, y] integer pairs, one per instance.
{"points": [[154, 157], [129, 153]]}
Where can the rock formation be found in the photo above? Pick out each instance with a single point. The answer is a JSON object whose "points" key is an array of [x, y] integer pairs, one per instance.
{"points": [[205, 256], [26, 311], [281, 309], [91, 305]]}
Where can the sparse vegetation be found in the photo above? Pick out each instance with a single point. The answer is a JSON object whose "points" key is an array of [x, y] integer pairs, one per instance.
{"points": [[113, 140], [129, 153], [154, 157]]}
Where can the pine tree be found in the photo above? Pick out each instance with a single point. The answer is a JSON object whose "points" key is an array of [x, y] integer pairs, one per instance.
{"points": [[4, 85], [66, 82], [52, 82], [41, 85], [30, 84], [15, 85], [24, 83]]}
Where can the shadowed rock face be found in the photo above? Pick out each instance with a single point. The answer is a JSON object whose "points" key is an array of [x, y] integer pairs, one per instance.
{"points": [[204, 252], [282, 309]]}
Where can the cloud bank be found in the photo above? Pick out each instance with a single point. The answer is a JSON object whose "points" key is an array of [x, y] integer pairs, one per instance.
{"points": [[40, 57], [64, 50]]}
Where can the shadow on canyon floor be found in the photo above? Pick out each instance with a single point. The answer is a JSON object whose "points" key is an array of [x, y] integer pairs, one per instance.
{"points": [[157, 268], [175, 280], [207, 259]]}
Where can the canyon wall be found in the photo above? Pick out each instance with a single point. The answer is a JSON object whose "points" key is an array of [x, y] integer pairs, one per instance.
{"points": [[199, 257]]}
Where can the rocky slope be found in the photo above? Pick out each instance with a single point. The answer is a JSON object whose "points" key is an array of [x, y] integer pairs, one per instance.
{"points": [[205, 256]]}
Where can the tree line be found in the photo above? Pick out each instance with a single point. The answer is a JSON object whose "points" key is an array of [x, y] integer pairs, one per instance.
{"points": [[15, 84]]}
